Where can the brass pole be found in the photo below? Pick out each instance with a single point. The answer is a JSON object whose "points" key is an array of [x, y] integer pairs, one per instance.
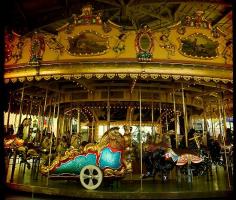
{"points": [[140, 134], [8, 111], [50, 113], [51, 136], [167, 127], [213, 133], [185, 117], [71, 121], [30, 113], [43, 115], [39, 125], [15, 153], [58, 117], [204, 124], [160, 120], [152, 119], [226, 159], [92, 136], [21, 105], [78, 121], [108, 109], [175, 118]]}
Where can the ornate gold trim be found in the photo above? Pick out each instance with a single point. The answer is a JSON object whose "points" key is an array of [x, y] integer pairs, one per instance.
{"points": [[121, 76]]}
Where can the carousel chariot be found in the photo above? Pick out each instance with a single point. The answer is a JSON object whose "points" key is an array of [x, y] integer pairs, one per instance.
{"points": [[93, 162]]}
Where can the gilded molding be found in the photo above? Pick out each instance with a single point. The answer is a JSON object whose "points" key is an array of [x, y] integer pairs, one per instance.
{"points": [[122, 76], [38, 78], [21, 79], [47, 77], [88, 76], [77, 76], [30, 78], [99, 76], [110, 76], [134, 76], [154, 76]]}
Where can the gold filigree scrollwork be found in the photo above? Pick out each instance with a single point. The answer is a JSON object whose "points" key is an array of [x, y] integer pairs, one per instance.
{"points": [[47, 77], [176, 77], [225, 80], [77, 76], [110, 76], [216, 80], [165, 76], [196, 78], [56, 77], [13, 80], [133, 76], [67, 77], [187, 78], [88, 76], [166, 44], [207, 79], [21, 79], [198, 21], [122, 76], [38, 78], [144, 76], [99, 76], [30, 78], [154, 76]]}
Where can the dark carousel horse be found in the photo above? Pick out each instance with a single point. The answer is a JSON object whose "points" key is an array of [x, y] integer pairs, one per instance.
{"points": [[158, 161], [196, 148]]}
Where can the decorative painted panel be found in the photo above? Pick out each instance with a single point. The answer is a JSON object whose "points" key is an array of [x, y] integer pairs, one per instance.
{"points": [[199, 45], [88, 43]]}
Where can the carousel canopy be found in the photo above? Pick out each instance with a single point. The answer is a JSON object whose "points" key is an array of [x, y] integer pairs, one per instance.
{"points": [[101, 55]]}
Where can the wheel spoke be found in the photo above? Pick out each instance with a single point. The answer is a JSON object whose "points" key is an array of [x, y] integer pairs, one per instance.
{"points": [[85, 176], [97, 177], [91, 171], [90, 182]]}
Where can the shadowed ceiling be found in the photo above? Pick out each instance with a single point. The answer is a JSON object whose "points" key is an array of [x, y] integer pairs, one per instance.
{"points": [[26, 15]]}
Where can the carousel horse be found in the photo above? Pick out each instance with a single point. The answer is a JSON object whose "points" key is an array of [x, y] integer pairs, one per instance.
{"points": [[195, 158], [162, 159], [158, 160], [22, 148], [111, 139]]}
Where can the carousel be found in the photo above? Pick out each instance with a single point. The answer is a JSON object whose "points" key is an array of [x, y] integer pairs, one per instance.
{"points": [[98, 100]]}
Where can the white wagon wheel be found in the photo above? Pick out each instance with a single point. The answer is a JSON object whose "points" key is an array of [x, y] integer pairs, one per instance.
{"points": [[91, 177]]}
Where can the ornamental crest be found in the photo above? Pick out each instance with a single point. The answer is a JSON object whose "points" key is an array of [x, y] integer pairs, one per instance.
{"points": [[144, 44], [37, 49]]}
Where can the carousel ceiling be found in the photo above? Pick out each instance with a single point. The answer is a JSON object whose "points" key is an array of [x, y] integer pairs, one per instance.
{"points": [[26, 15], [93, 96]]}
